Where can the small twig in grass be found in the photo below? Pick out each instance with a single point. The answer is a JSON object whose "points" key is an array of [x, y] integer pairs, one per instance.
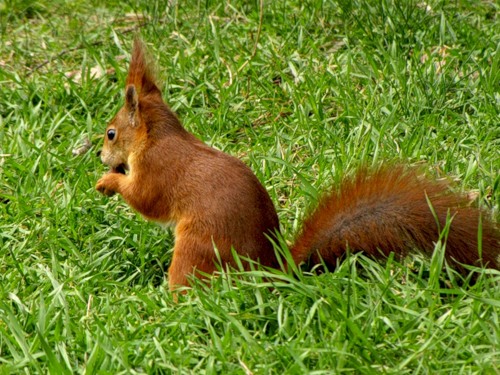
{"points": [[245, 367], [82, 45], [254, 52], [60, 54], [229, 71], [89, 305]]}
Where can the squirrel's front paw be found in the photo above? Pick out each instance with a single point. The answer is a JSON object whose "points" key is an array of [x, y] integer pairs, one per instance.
{"points": [[106, 185]]}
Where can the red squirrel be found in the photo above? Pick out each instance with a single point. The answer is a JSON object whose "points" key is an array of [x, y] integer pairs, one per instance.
{"points": [[216, 202]]}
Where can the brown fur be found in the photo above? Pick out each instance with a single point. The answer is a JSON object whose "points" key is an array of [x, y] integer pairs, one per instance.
{"points": [[215, 200], [391, 210]]}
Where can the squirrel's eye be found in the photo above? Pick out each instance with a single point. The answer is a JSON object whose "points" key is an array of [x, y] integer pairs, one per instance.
{"points": [[111, 134]]}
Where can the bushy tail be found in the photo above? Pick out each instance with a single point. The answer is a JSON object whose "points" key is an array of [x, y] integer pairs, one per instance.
{"points": [[394, 209]]}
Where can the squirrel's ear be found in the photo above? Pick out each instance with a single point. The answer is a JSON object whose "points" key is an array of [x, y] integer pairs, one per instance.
{"points": [[132, 104]]}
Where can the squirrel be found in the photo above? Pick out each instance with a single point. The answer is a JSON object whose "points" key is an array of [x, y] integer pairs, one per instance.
{"points": [[216, 202]]}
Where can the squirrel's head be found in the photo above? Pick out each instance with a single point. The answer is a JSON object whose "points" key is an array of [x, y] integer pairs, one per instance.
{"points": [[123, 133], [128, 130]]}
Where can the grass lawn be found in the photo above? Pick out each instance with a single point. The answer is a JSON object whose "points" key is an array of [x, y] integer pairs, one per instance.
{"points": [[301, 91]]}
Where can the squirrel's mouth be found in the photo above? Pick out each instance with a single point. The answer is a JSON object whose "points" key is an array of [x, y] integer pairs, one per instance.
{"points": [[122, 169]]}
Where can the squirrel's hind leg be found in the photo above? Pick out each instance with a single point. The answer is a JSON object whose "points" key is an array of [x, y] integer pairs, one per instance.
{"points": [[191, 257]]}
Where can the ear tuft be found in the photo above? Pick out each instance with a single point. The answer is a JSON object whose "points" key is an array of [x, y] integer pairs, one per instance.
{"points": [[141, 71]]}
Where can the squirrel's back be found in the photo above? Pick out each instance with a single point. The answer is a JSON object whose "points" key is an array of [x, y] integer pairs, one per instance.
{"points": [[394, 209]]}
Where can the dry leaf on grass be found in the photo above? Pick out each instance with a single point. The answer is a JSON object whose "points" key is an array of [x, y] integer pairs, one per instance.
{"points": [[83, 148], [95, 73]]}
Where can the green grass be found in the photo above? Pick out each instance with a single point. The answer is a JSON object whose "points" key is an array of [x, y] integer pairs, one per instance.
{"points": [[331, 85]]}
